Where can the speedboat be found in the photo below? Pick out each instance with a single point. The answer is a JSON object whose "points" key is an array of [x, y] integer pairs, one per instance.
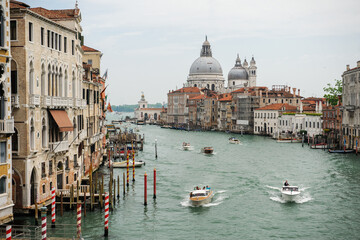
{"points": [[234, 140], [341, 151], [200, 197], [207, 150], [186, 146], [289, 193], [124, 165]]}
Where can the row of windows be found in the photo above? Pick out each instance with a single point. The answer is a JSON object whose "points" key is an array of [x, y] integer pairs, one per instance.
{"points": [[307, 124], [269, 115], [282, 100], [54, 40]]}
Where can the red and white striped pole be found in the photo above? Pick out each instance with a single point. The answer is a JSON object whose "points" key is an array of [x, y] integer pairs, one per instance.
{"points": [[43, 222], [8, 232], [106, 214], [154, 183], [145, 189], [53, 207], [78, 220]]}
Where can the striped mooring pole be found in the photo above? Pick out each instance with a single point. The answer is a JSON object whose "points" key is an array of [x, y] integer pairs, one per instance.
{"points": [[127, 170], [43, 222], [154, 183], [78, 220], [106, 214], [133, 166], [8, 232], [53, 207], [145, 189]]}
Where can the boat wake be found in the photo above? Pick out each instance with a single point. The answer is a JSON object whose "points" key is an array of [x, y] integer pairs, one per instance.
{"points": [[218, 198], [302, 198]]}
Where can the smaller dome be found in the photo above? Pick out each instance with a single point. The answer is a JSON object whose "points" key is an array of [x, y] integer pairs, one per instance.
{"points": [[238, 72]]}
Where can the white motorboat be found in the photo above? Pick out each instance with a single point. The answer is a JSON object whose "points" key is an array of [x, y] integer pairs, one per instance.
{"points": [[123, 164], [290, 193], [200, 197], [186, 146], [234, 140]]}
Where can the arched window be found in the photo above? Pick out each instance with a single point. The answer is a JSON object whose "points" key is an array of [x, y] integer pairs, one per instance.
{"points": [[2, 102], [66, 86], [2, 27], [14, 141], [73, 85], [213, 87], [49, 93], [3, 184], [14, 84], [56, 82], [61, 87], [32, 135], [208, 86], [155, 116], [53, 84], [44, 134], [195, 85], [75, 129], [43, 84], [31, 78]]}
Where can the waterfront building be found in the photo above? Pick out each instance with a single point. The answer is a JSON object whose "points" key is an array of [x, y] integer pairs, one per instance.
{"points": [[177, 110], [266, 118], [92, 121], [7, 190], [279, 94], [206, 71], [209, 109], [163, 116], [241, 75], [224, 112], [47, 105], [332, 123], [351, 106], [144, 113], [194, 105]]}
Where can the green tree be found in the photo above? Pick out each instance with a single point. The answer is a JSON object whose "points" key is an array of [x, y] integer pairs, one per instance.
{"points": [[332, 92]]}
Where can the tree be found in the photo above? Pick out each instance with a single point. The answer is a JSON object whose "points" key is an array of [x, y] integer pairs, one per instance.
{"points": [[332, 93]]}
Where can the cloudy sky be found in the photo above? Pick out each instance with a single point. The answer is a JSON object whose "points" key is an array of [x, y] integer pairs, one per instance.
{"points": [[150, 45]]}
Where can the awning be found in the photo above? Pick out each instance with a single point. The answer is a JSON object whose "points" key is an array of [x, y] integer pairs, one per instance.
{"points": [[62, 120]]}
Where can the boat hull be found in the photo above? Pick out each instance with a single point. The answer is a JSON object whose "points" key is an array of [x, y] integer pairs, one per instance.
{"points": [[124, 165], [199, 201], [290, 197], [186, 148]]}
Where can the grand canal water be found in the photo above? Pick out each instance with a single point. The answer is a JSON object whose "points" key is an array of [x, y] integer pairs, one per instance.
{"points": [[246, 179]]}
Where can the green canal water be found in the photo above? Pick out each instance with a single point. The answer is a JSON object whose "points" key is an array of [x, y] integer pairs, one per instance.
{"points": [[246, 179]]}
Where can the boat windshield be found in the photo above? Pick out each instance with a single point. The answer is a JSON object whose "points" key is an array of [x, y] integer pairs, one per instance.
{"points": [[199, 195], [290, 188]]}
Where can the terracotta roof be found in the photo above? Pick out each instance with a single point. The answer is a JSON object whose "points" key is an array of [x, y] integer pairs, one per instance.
{"points": [[56, 14], [201, 96], [187, 90], [226, 98], [17, 4], [278, 106], [88, 49]]}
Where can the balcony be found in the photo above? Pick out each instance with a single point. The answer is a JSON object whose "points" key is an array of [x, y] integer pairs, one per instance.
{"points": [[34, 100], [6, 126], [15, 102], [82, 135], [56, 147], [94, 138], [46, 101]]}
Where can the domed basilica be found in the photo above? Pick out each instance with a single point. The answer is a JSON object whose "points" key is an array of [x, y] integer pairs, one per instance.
{"points": [[206, 72]]}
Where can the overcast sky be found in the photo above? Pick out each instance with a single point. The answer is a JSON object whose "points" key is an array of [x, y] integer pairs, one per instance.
{"points": [[149, 45]]}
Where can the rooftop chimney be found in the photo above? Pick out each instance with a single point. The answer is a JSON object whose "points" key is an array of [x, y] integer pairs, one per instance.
{"points": [[299, 91], [358, 63], [347, 67], [294, 91]]}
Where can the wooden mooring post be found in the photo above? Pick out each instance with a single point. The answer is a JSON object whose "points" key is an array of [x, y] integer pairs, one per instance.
{"points": [[118, 186]]}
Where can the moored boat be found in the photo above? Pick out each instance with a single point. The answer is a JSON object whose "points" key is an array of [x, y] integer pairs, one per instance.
{"points": [[341, 151], [289, 193], [201, 196], [186, 146], [289, 140], [321, 146], [124, 165], [234, 140], [207, 150]]}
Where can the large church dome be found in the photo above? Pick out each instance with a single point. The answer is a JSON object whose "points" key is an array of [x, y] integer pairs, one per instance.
{"points": [[238, 72], [205, 64]]}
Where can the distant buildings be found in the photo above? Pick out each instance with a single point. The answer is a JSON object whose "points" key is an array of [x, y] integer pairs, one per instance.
{"points": [[143, 113]]}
